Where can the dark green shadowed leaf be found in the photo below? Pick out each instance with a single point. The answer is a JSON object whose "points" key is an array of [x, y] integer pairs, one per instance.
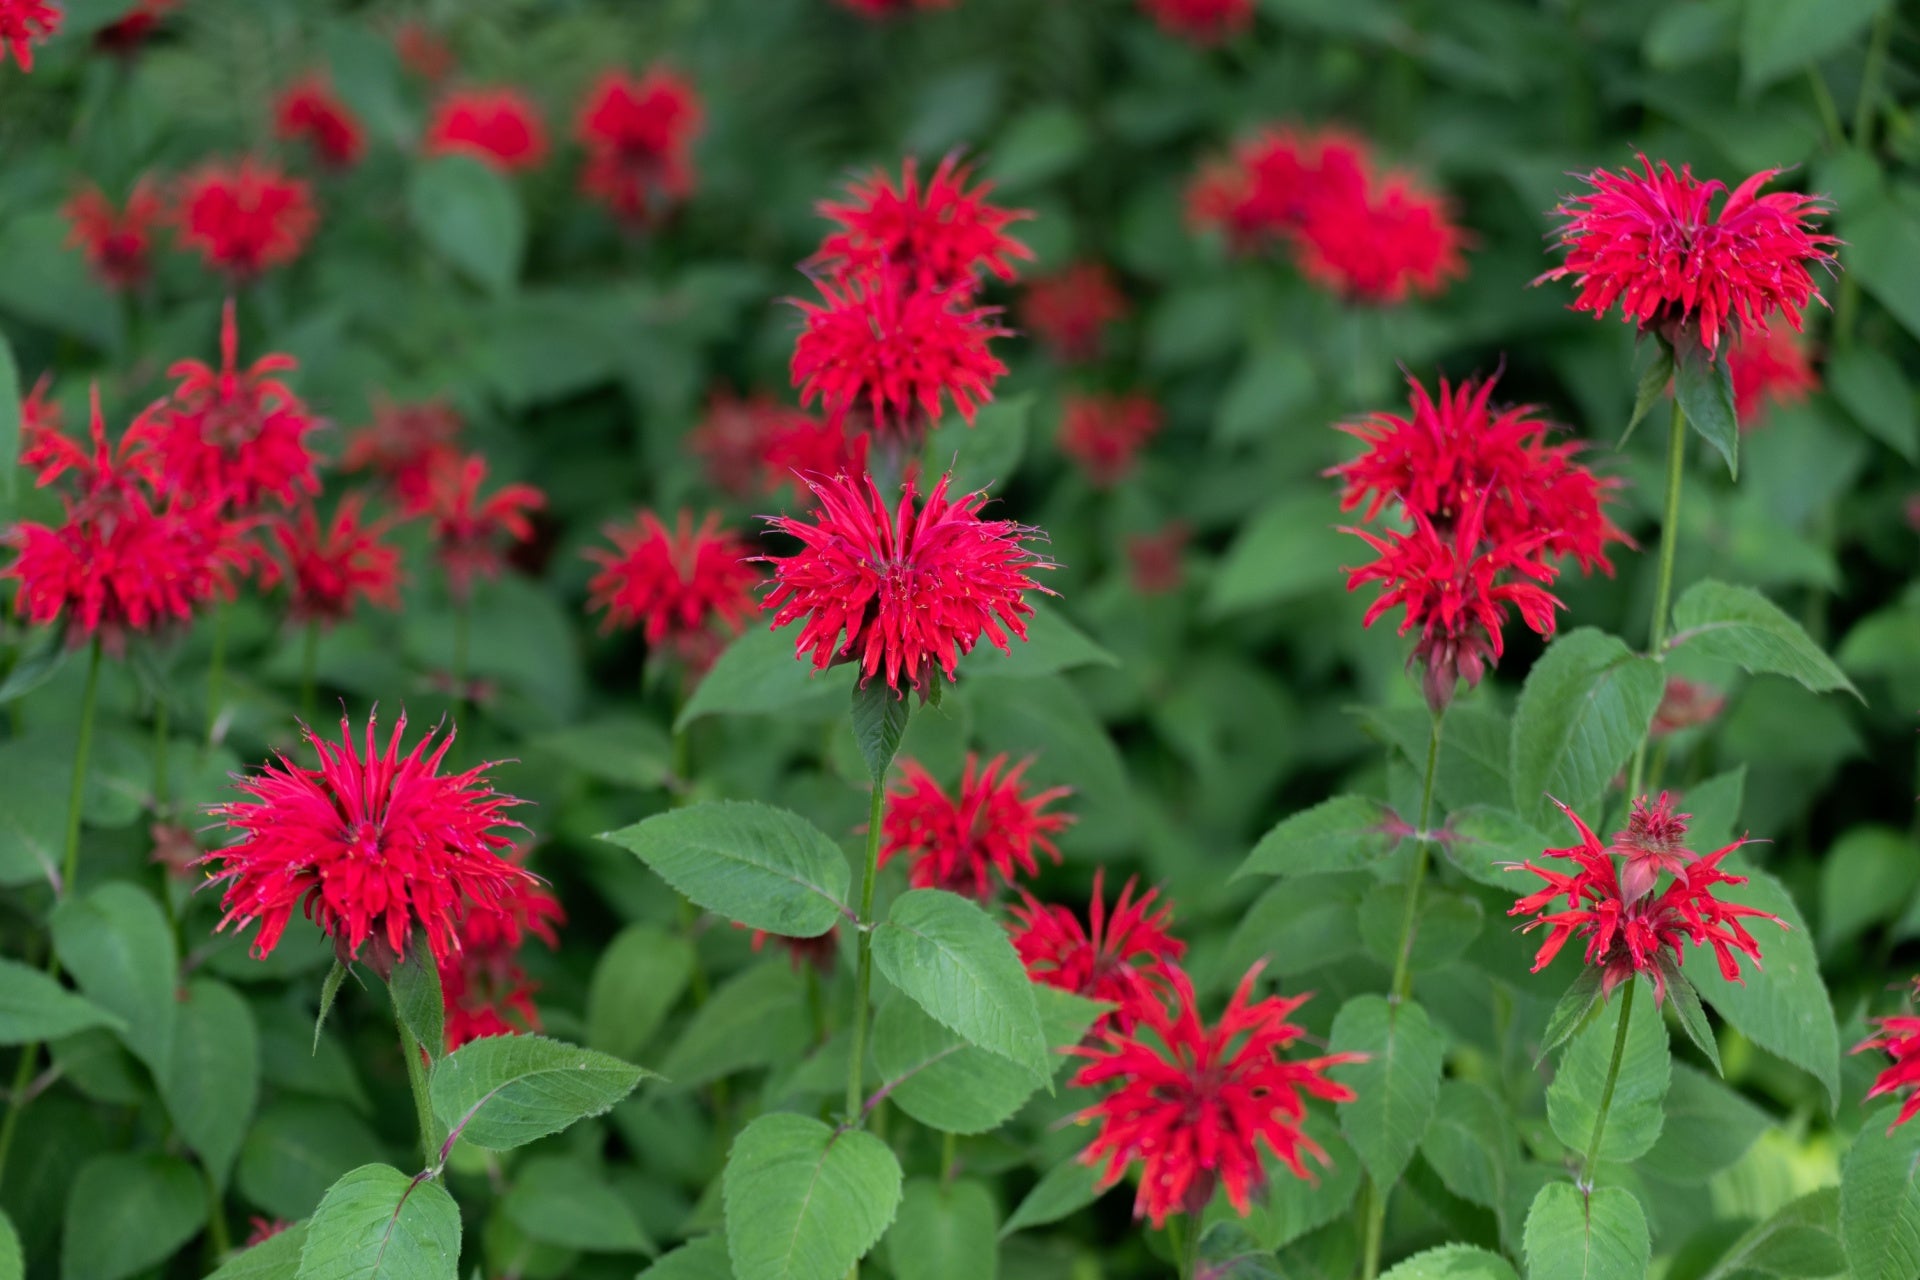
{"points": [[565, 1201], [1739, 625], [377, 1223], [212, 1081], [505, 1091], [750, 863], [1705, 390], [944, 1231], [1574, 1011], [1585, 706], [35, 1007], [417, 1002], [879, 722], [953, 960], [126, 1213], [471, 216]]}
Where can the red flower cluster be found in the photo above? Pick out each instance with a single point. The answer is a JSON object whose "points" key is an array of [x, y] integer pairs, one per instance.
{"points": [[483, 987], [372, 846], [1123, 957], [675, 584], [1201, 21], [1196, 1104], [638, 134], [1627, 927], [499, 127], [246, 217], [329, 568], [1650, 242], [991, 824], [422, 51], [406, 446], [1491, 503], [118, 243], [911, 590], [758, 446], [1070, 310], [1103, 433], [469, 530], [1900, 1037], [23, 24], [939, 232], [126, 35], [1767, 368], [310, 111]]}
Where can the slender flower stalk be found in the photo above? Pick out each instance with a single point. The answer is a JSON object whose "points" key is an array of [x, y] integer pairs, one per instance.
{"points": [[1663, 586], [1592, 1155], [863, 972]]}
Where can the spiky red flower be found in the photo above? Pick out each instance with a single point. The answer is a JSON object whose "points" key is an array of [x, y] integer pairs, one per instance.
{"points": [[1122, 958], [1070, 310], [1154, 560], [1273, 181], [422, 51], [39, 416], [1103, 433], [484, 988], [330, 568], [1201, 21], [1654, 843], [23, 24], [1899, 1036], [118, 243], [888, 8], [675, 584], [405, 445], [468, 530], [308, 110], [371, 845], [500, 127], [1398, 241], [1650, 242], [757, 445], [1627, 934], [990, 824], [1196, 1104], [911, 589], [874, 343], [942, 234], [238, 433], [1768, 368], [639, 139], [126, 35], [245, 218], [1685, 704]]}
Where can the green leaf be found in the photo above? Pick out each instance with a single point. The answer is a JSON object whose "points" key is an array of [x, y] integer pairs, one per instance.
{"points": [[1880, 1200], [471, 216], [1346, 833], [1871, 387], [945, 1232], [638, 979], [212, 1081], [1052, 645], [1472, 1143], [1739, 625], [1799, 1240], [953, 960], [1048, 718], [750, 863], [1783, 1007], [624, 750], [986, 453], [1293, 1206], [1883, 253], [9, 425], [564, 1201], [879, 722], [701, 1259], [1288, 549], [126, 1213], [1473, 764], [1868, 877], [35, 1007], [758, 674], [1704, 388], [1602, 1236], [46, 282], [119, 947], [1639, 1092], [1708, 1128], [1453, 1262], [1299, 925], [1688, 1012], [1489, 841], [275, 1258], [756, 1019], [12, 1265], [1573, 1012], [376, 1223], [295, 1151], [1446, 925], [1275, 379], [34, 773], [947, 1084], [505, 1091], [1652, 389], [1585, 706], [1038, 145], [1397, 1085], [1779, 37], [804, 1202], [1062, 1191], [329, 992], [417, 1002]]}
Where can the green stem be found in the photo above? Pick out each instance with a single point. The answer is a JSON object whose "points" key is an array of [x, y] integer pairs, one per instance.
{"points": [[1613, 1078], [863, 973], [76, 790], [1376, 1228], [162, 790], [309, 664], [17, 1098], [1870, 79], [216, 672], [949, 1157], [462, 622], [417, 1081], [1183, 1233], [1663, 587], [219, 1243], [1824, 104]]}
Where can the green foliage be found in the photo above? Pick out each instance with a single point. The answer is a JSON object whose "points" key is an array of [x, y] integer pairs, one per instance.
{"points": [[506, 1091], [636, 982], [376, 1223], [117, 944], [564, 1201], [804, 1202], [1454, 1262], [1640, 1090], [275, 1258], [944, 1232], [879, 722], [127, 1213], [949, 957], [1345, 833], [1398, 1085], [1879, 1201], [35, 1007], [469, 213], [1739, 625], [1065, 1189], [1586, 703], [1704, 388], [1599, 1236], [212, 1079]]}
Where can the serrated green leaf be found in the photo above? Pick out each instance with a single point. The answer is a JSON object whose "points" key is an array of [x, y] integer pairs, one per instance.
{"points": [[1397, 1085], [1346, 833], [1880, 1200], [1688, 1012], [296, 1149], [1601, 1236], [275, 1258], [471, 216], [1640, 1088], [1739, 625], [35, 1007], [1299, 925], [750, 863], [701, 1259], [757, 1018], [1473, 763], [1573, 1012], [639, 977], [879, 722], [1651, 390], [804, 1202], [563, 1201], [1704, 388], [1708, 1128], [212, 1081], [377, 1223], [1585, 706], [948, 956], [759, 674], [414, 988], [1799, 1240], [945, 1232], [1445, 926], [119, 947], [126, 1213], [1472, 1144], [504, 1091], [1062, 1191], [1453, 1262], [939, 1079], [985, 452]]}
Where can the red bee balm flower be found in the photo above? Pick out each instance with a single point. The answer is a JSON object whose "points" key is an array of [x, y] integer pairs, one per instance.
{"points": [[118, 243], [758, 446], [310, 110], [126, 35], [469, 529], [406, 445], [1273, 181], [1071, 309], [959, 842], [1122, 958], [1103, 433], [1201, 21], [245, 218], [638, 135], [674, 584], [1900, 1037], [912, 589], [1400, 240], [1654, 842], [1649, 242], [372, 845], [1627, 934], [940, 233], [485, 990], [330, 568], [1195, 1104], [500, 127], [23, 24], [1154, 559], [872, 342], [422, 51], [1768, 368]]}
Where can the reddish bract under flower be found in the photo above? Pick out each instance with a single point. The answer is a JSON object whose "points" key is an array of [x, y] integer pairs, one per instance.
{"points": [[639, 140], [1122, 958], [406, 445], [1201, 21], [484, 989], [468, 530], [23, 24], [118, 243], [1653, 843], [1272, 183], [939, 232], [815, 952], [309, 110], [245, 218], [1070, 310], [1684, 704], [990, 825], [1398, 241], [1103, 433], [877, 344], [1196, 1104], [500, 127], [911, 590], [372, 845], [126, 35], [1628, 934], [675, 584], [329, 569], [1650, 242], [1768, 368]]}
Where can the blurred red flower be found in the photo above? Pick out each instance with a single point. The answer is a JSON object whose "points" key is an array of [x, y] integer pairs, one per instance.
{"points": [[406, 445], [371, 845], [309, 110], [1201, 21], [1899, 1036], [801, 446], [330, 568], [1650, 242], [263, 1229], [118, 243], [991, 824], [126, 35], [1155, 558], [817, 952], [677, 584], [1103, 433], [1685, 704], [1767, 368], [245, 218], [422, 51], [911, 589], [469, 530], [1196, 1104], [23, 24], [1273, 181], [1123, 958], [1399, 240], [38, 415], [1070, 310], [499, 127], [939, 232], [484, 988], [639, 137]]}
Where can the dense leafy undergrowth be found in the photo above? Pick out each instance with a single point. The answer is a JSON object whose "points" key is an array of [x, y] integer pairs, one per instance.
{"points": [[1091, 879]]}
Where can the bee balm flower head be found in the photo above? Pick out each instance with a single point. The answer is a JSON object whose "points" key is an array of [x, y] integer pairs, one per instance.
{"points": [[990, 825], [118, 243], [1899, 1037], [499, 127], [309, 110], [330, 567], [23, 24], [676, 584], [939, 232], [245, 218], [1122, 955]]}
